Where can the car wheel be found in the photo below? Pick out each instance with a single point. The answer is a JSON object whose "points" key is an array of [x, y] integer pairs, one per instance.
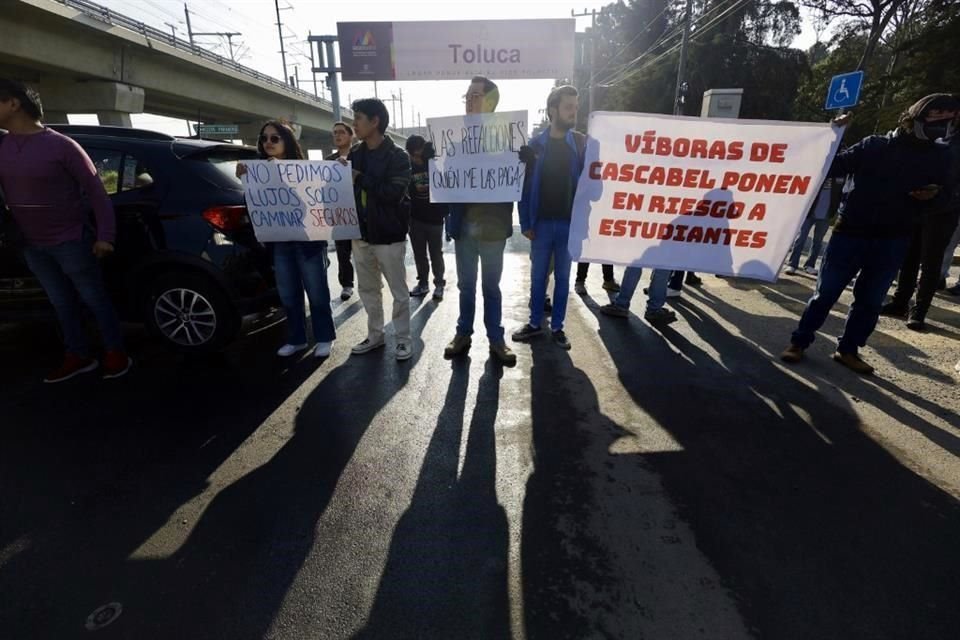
{"points": [[190, 312]]}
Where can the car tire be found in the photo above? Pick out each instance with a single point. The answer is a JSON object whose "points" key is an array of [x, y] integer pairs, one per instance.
{"points": [[190, 312]]}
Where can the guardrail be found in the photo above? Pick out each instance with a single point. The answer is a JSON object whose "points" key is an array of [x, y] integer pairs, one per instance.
{"points": [[108, 16]]}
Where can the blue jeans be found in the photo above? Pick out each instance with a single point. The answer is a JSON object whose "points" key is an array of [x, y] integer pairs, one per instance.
{"points": [[658, 288], [66, 270], [302, 266], [490, 255], [550, 246], [874, 262], [819, 230]]}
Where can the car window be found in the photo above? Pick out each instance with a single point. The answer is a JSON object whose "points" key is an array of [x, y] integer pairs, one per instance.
{"points": [[223, 163], [107, 162], [135, 174]]}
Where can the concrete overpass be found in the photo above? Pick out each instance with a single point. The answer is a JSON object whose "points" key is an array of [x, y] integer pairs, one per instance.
{"points": [[84, 58]]}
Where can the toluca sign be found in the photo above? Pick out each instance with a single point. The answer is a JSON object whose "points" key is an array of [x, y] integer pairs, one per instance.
{"points": [[457, 50]]}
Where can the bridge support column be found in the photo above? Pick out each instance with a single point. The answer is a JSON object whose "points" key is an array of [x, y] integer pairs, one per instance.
{"points": [[114, 118], [113, 102]]}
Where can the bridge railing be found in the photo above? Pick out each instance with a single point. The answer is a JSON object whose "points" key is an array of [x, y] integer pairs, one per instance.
{"points": [[104, 14]]}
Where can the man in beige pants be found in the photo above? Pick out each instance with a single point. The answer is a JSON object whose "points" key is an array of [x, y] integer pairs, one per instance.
{"points": [[381, 173]]}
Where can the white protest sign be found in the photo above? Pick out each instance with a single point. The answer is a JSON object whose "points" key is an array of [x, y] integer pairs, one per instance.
{"points": [[300, 200], [477, 157], [714, 195]]}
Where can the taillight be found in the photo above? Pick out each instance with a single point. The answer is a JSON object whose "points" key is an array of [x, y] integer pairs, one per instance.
{"points": [[227, 218]]}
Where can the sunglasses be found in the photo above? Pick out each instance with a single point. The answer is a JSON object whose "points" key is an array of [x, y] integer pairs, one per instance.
{"points": [[275, 139]]}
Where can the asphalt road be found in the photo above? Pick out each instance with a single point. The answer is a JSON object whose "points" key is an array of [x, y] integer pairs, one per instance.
{"points": [[651, 483]]}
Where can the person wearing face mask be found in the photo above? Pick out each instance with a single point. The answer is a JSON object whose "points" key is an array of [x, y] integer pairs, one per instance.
{"points": [[343, 141], [895, 178], [298, 265], [426, 221], [931, 235], [480, 232]]}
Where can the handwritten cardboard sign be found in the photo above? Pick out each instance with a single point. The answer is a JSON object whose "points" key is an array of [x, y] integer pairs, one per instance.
{"points": [[306, 200], [477, 157]]}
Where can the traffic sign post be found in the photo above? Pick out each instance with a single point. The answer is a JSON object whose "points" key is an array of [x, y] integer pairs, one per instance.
{"points": [[844, 91], [217, 130]]}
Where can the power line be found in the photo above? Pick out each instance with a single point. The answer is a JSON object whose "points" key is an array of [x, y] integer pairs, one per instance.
{"points": [[676, 30], [624, 72], [699, 32], [640, 33]]}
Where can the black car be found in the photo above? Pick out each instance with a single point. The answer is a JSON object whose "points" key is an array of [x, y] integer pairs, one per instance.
{"points": [[187, 263]]}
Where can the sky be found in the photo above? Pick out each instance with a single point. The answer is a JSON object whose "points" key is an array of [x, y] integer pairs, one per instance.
{"points": [[258, 46]]}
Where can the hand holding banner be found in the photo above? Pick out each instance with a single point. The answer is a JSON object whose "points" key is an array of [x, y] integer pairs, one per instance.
{"points": [[291, 200], [713, 195], [477, 157]]}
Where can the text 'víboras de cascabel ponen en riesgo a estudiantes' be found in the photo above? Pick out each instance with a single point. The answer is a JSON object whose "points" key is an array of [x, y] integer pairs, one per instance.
{"points": [[721, 184], [283, 206]]}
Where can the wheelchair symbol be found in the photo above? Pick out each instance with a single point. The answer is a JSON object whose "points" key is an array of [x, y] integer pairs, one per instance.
{"points": [[842, 94]]}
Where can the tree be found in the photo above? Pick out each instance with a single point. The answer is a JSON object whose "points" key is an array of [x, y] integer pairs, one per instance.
{"points": [[874, 15]]}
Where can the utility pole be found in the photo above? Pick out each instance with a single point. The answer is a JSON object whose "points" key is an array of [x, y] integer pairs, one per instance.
{"points": [[593, 52], [313, 64], [283, 53], [228, 35], [186, 12], [681, 68], [400, 89], [327, 60]]}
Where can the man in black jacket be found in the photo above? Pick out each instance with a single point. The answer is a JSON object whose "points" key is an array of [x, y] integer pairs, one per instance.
{"points": [[894, 176], [381, 174]]}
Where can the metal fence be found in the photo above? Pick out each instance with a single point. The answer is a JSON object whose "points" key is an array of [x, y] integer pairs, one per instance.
{"points": [[108, 16]]}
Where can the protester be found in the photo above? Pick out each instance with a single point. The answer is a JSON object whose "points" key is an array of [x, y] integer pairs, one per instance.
{"points": [[656, 312], [818, 218], [480, 232], [381, 175], [299, 265], [947, 262], [609, 282], [554, 162], [426, 221], [894, 176], [954, 204], [677, 280], [931, 236], [50, 185], [343, 141]]}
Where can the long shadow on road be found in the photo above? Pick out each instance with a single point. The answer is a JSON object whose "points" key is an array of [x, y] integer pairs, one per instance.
{"points": [[819, 531], [90, 472], [446, 573]]}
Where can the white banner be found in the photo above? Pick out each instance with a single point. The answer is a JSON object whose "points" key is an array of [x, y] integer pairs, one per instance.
{"points": [[477, 157], [300, 200], [497, 49], [714, 195]]}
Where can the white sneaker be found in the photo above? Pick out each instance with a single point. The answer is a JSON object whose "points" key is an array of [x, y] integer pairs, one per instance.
{"points": [[322, 350], [790, 271], [811, 270], [366, 346], [288, 350], [673, 293], [404, 352], [346, 294]]}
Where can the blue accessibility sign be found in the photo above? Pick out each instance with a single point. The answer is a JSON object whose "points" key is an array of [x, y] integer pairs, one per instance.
{"points": [[844, 90]]}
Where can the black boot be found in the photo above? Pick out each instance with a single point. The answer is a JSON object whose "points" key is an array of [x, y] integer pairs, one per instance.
{"points": [[894, 309], [916, 320]]}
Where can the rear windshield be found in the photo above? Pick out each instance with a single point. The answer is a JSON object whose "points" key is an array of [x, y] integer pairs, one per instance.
{"points": [[221, 164]]}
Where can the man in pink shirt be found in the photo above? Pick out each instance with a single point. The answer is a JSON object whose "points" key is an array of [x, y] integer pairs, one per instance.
{"points": [[50, 185]]}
